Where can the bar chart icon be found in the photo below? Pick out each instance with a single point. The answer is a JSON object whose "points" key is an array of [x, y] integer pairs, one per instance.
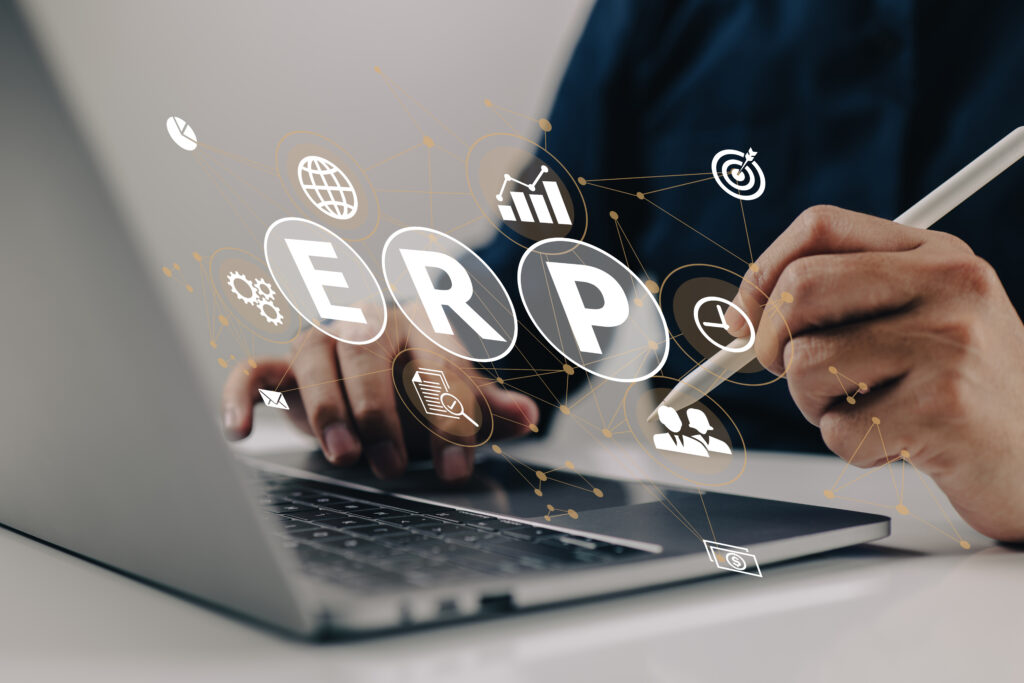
{"points": [[532, 206]]}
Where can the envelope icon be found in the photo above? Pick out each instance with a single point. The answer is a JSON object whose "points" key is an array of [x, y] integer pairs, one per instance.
{"points": [[274, 399]]}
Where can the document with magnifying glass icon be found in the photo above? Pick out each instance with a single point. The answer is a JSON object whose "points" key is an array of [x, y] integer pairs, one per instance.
{"points": [[435, 395]]}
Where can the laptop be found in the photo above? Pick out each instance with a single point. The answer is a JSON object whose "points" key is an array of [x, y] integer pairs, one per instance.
{"points": [[112, 451]]}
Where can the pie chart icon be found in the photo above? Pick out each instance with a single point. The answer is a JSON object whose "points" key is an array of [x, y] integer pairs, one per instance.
{"points": [[182, 134]]}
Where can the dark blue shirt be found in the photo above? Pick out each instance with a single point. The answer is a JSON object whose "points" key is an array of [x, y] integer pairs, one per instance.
{"points": [[865, 105]]}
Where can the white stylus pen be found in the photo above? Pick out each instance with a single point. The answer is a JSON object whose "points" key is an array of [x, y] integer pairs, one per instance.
{"points": [[924, 214]]}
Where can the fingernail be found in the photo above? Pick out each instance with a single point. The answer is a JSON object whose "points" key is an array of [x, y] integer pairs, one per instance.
{"points": [[456, 463], [385, 460], [232, 419], [340, 444], [737, 326], [533, 412]]}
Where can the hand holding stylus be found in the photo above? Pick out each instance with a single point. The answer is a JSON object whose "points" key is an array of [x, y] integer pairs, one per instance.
{"points": [[927, 326], [919, 319]]}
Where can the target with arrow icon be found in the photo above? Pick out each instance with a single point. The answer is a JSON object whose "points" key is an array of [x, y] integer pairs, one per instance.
{"points": [[738, 174]]}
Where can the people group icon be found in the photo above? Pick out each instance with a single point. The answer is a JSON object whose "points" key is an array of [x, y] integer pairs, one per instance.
{"points": [[700, 444]]}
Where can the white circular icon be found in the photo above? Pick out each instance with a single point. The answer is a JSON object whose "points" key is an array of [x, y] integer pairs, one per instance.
{"points": [[471, 316], [718, 321], [736, 561], [327, 187], [182, 134], [579, 297], [738, 174], [337, 293]]}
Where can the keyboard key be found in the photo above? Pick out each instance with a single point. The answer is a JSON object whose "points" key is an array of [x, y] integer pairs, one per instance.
{"points": [[361, 547], [495, 524], [381, 513], [461, 516], [462, 535], [316, 515], [288, 508], [432, 528], [345, 522], [319, 535], [380, 532], [293, 525], [400, 537], [406, 520], [312, 496], [351, 506]]}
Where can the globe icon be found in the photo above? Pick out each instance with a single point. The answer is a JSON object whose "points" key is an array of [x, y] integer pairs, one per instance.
{"points": [[327, 187]]}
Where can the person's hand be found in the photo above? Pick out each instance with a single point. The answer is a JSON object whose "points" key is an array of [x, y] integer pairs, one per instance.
{"points": [[927, 326], [347, 400]]}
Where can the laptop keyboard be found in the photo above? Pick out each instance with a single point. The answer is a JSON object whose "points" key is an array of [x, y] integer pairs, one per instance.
{"points": [[371, 541]]}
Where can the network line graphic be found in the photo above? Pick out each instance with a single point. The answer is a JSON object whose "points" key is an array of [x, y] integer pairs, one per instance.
{"points": [[893, 467], [417, 178], [654, 185], [251, 189]]}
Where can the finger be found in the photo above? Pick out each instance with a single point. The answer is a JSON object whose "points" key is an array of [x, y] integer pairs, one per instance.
{"points": [[877, 430], [316, 372], [837, 367], [241, 391], [818, 230], [449, 433], [898, 419], [515, 414], [370, 392], [836, 289], [839, 289]]}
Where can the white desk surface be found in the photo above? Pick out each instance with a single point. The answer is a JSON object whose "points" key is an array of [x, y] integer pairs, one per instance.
{"points": [[915, 607]]}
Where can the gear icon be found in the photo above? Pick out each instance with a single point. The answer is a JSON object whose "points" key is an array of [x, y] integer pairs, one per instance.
{"points": [[270, 312], [253, 296], [263, 288]]}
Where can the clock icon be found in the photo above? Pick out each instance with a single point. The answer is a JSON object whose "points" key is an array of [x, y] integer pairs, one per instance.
{"points": [[709, 313]]}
